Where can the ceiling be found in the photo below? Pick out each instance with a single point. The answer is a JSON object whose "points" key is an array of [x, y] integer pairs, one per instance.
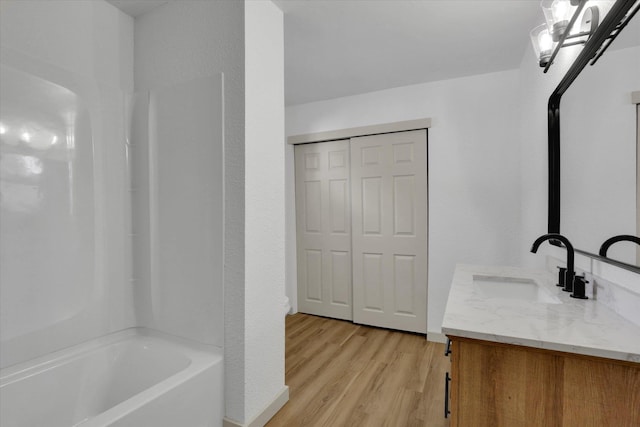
{"points": [[347, 47], [136, 8], [336, 48]]}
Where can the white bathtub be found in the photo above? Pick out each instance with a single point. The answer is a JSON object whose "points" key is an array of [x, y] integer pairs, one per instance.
{"points": [[135, 377]]}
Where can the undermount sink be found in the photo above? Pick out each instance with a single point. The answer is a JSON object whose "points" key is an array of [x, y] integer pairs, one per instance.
{"points": [[517, 288]]}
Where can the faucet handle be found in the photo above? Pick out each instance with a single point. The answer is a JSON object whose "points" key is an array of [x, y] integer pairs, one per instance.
{"points": [[562, 272], [579, 283], [568, 281]]}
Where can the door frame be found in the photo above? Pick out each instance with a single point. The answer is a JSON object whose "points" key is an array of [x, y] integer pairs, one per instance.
{"points": [[635, 99], [331, 135]]}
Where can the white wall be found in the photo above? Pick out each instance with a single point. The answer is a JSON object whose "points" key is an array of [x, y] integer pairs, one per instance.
{"points": [[182, 41], [79, 288], [92, 39], [264, 206], [473, 167]]}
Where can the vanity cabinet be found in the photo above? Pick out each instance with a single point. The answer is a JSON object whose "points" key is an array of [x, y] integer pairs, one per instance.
{"points": [[494, 384]]}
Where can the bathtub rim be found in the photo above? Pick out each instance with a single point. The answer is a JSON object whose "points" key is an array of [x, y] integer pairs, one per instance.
{"points": [[203, 360], [197, 353]]}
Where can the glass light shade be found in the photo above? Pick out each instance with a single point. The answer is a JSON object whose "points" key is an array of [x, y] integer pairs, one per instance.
{"points": [[543, 44], [557, 14]]}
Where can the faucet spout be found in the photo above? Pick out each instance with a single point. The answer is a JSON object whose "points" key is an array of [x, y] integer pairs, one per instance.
{"points": [[623, 237], [569, 275]]}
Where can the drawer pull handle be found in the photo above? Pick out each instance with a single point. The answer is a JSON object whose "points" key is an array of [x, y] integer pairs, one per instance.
{"points": [[447, 350], [447, 379]]}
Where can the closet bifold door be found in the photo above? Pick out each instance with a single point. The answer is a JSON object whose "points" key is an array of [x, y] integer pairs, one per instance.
{"points": [[323, 228], [389, 230]]}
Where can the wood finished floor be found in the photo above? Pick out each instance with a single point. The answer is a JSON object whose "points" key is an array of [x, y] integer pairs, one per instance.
{"points": [[342, 374]]}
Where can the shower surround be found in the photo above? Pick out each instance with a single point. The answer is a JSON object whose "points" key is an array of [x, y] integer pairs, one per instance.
{"points": [[102, 189]]}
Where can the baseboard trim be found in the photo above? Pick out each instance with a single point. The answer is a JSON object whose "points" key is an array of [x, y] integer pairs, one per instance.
{"points": [[436, 337], [265, 415]]}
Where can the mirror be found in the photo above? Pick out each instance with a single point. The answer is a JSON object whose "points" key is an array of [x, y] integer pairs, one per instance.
{"points": [[599, 151]]}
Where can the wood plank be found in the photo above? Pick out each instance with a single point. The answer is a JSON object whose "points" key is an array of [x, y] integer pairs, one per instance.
{"points": [[504, 386], [599, 394], [508, 385], [342, 374]]}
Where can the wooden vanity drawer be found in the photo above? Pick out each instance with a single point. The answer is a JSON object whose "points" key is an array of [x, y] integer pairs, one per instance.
{"points": [[497, 384]]}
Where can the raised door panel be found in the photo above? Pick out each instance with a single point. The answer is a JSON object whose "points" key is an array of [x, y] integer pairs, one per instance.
{"points": [[372, 283], [404, 283], [372, 206], [312, 195], [389, 230], [340, 266], [323, 224], [403, 206], [312, 272], [339, 206]]}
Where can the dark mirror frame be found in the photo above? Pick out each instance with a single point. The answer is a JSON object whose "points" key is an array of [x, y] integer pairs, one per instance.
{"points": [[609, 26]]}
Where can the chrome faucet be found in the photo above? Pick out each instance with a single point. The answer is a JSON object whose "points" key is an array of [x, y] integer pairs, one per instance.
{"points": [[570, 273], [623, 237]]}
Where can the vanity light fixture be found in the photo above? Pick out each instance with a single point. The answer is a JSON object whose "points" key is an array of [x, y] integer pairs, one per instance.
{"points": [[557, 14], [559, 30], [542, 44]]}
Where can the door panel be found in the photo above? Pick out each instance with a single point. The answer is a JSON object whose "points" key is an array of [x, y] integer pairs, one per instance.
{"points": [[372, 206], [312, 206], [372, 283], [403, 206], [341, 277], [312, 270], [339, 210], [389, 226], [323, 216], [403, 283]]}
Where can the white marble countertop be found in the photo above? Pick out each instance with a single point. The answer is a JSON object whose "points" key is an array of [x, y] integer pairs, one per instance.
{"points": [[575, 326]]}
